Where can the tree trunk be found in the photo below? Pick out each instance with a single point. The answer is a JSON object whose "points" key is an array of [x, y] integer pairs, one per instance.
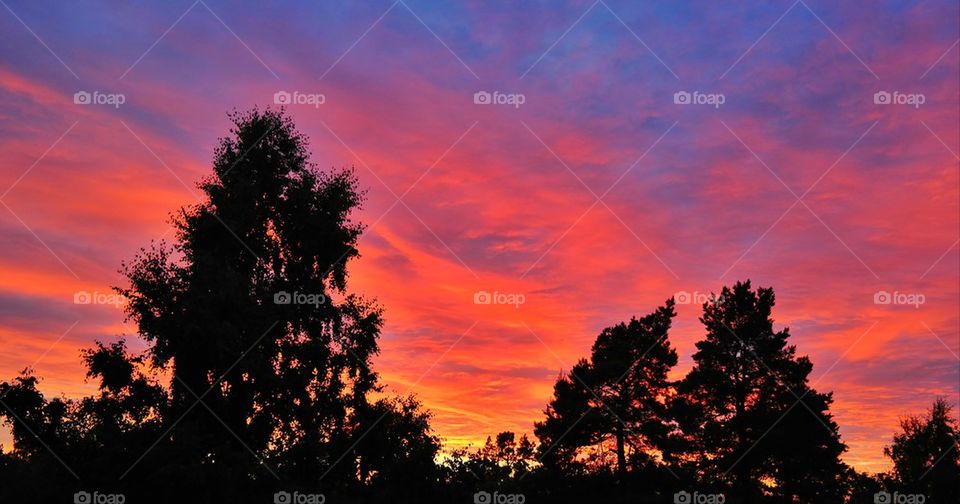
{"points": [[742, 472], [621, 457]]}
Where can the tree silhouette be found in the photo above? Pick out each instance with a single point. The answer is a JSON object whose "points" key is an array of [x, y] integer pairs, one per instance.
{"points": [[501, 463], [752, 423], [619, 393], [60, 441], [571, 422], [926, 455], [514, 457], [250, 311], [267, 352]]}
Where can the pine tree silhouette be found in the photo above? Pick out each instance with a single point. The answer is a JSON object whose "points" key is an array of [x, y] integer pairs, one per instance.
{"points": [[618, 394], [754, 425]]}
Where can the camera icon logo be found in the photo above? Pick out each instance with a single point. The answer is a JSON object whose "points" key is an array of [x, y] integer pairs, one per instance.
{"points": [[482, 98], [682, 497], [82, 297], [482, 297], [282, 498], [683, 297], [681, 98], [282, 98], [882, 297], [82, 98], [81, 498], [482, 498], [282, 297], [882, 498], [881, 98]]}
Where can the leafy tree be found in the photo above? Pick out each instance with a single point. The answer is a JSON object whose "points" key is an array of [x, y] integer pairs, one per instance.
{"points": [[268, 354], [396, 456], [505, 464], [571, 422], [511, 457], [926, 454], [751, 423], [250, 311], [500, 463], [33, 420], [861, 487], [60, 441], [269, 226], [619, 395], [39, 430]]}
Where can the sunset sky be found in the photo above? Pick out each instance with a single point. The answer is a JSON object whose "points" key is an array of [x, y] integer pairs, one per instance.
{"points": [[595, 199]]}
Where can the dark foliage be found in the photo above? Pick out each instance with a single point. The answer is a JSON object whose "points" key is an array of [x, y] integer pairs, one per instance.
{"points": [[750, 424], [926, 455], [267, 354], [618, 397]]}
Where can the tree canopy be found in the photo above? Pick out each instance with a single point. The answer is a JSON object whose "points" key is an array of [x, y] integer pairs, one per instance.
{"points": [[620, 394], [752, 424]]}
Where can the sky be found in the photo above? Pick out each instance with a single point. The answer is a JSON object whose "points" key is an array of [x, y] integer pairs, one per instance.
{"points": [[588, 158]]}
